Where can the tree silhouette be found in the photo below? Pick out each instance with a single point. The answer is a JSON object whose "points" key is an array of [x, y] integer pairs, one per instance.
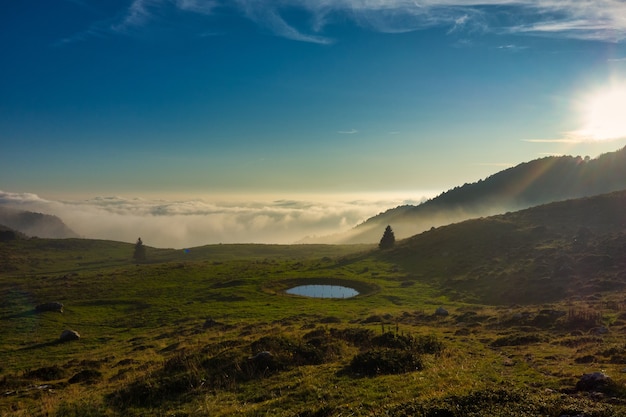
{"points": [[140, 251], [388, 239]]}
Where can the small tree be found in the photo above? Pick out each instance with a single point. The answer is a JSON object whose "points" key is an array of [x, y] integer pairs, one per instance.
{"points": [[140, 251], [388, 239]]}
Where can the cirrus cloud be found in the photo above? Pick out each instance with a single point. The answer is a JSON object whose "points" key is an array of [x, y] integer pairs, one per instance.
{"points": [[601, 20]]}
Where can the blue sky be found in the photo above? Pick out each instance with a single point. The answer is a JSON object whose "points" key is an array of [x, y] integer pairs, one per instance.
{"points": [[193, 96], [167, 98]]}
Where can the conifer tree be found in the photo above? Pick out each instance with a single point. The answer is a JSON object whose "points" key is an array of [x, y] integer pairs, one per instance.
{"points": [[140, 251], [388, 239]]}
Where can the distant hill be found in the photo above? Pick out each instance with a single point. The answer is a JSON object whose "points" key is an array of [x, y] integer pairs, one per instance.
{"points": [[7, 234], [526, 185], [561, 250], [35, 224]]}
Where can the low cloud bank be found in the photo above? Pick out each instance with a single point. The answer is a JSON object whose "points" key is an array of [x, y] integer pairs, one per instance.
{"points": [[196, 222]]}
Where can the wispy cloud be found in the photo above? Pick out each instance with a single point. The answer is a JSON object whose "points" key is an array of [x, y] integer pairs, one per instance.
{"points": [[267, 14], [138, 14], [197, 6], [348, 132], [512, 48], [555, 140], [602, 20], [196, 222]]}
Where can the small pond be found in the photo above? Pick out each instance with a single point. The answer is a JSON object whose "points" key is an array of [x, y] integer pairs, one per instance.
{"points": [[323, 291]]}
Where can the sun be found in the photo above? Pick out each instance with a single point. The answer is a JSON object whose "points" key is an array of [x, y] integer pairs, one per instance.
{"points": [[604, 115]]}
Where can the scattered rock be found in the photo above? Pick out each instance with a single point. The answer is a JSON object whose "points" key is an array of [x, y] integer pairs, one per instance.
{"points": [[264, 361], [598, 331], [441, 312], [261, 356], [52, 306], [596, 381], [210, 323], [69, 335]]}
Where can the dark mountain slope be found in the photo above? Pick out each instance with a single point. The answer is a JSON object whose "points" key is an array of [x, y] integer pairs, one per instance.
{"points": [[526, 185], [35, 224], [7, 234], [573, 248]]}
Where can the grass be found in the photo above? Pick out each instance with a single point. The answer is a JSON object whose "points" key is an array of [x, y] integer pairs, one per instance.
{"points": [[211, 331]]}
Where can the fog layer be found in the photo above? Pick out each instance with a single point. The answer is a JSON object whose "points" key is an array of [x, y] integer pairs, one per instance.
{"points": [[194, 222]]}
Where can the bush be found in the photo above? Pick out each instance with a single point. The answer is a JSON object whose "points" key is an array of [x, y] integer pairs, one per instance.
{"points": [[47, 373], [384, 362]]}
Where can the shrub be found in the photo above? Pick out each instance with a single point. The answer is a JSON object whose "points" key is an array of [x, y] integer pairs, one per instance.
{"points": [[47, 373], [385, 361]]}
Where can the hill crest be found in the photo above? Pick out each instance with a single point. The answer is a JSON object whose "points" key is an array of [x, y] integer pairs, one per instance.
{"points": [[540, 181], [35, 224]]}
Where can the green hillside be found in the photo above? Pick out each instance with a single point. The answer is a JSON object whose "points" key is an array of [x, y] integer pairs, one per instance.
{"points": [[548, 253], [498, 316]]}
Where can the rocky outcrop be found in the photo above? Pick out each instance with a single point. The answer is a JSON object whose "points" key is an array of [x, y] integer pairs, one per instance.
{"points": [[69, 335]]}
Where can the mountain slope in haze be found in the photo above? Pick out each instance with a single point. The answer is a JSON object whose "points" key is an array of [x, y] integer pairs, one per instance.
{"points": [[526, 185], [7, 234], [572, 248], [35, 224]]}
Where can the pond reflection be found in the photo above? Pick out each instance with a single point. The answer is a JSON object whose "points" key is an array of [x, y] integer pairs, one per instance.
{"points": [[323, 291]]}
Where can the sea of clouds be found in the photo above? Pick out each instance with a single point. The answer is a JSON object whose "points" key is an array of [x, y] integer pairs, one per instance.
{"points": [[194, 222]]}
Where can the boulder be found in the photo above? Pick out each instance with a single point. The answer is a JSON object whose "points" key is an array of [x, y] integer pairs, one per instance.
{"points": [[210, 323], [52, 306], [68, 335], [596, 381], [599, 331], [261, 356], [441, 312]]}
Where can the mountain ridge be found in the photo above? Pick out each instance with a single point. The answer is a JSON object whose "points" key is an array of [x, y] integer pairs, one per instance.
{"points": [[540, 181], [35, 224]]}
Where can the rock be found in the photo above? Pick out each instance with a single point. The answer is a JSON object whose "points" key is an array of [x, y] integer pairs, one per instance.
{"points": [[599, 331], [442, 312], [210, 323], [596, 381], [53, 306], [69, 335], [261, 356]]}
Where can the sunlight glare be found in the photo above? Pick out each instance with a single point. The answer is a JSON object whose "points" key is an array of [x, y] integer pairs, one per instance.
{"points": [[604, 114]]}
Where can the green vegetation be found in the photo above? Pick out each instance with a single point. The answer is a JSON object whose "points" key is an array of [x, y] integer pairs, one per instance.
{"points": [[531, 302], [388, 239]]}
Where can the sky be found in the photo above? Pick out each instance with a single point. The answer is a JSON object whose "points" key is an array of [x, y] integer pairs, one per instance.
{"points": [[189, 110]]}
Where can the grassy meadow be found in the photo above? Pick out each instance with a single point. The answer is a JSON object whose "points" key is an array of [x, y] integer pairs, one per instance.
{"points": [[531, 304]]}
